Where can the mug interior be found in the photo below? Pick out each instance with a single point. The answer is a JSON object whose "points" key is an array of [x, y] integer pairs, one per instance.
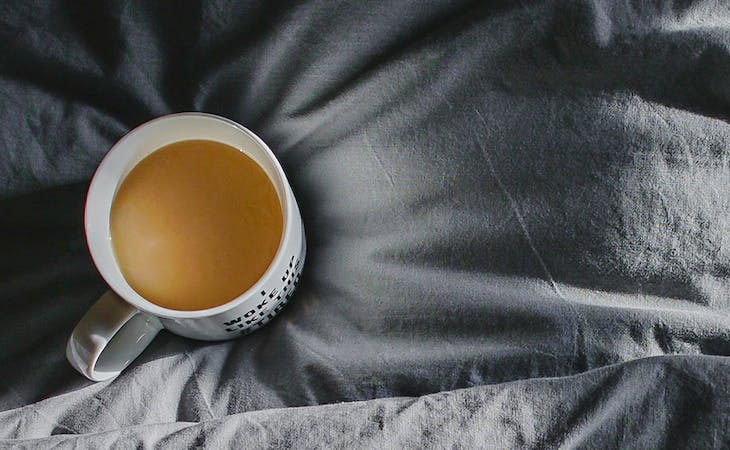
{"points": [[133, 148]]}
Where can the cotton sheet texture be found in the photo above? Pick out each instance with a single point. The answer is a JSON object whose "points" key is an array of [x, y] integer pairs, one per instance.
{"points": [[517, 216]]}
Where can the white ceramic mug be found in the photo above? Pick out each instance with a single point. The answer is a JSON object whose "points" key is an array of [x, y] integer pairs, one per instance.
{"points": [[121, 323]]}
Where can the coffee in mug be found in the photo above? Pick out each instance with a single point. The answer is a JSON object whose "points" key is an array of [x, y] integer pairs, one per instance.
{"points": [[195, 224], [192, 223]]}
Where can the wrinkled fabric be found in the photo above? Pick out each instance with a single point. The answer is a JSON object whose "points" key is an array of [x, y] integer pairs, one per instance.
{"points": [[517, 217]]}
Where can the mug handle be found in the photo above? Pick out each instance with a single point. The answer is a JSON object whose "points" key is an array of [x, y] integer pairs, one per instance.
{"points": [[109, 337]]}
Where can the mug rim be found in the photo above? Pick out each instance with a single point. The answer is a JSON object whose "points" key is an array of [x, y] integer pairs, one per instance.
{"points": [[136, 299]]}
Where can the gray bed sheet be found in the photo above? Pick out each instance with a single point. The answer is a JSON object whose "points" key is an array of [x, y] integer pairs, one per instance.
{"points": [[517, 214]]}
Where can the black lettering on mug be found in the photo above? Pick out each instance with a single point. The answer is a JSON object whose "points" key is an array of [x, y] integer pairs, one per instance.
{"points": [[236, 320]]}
